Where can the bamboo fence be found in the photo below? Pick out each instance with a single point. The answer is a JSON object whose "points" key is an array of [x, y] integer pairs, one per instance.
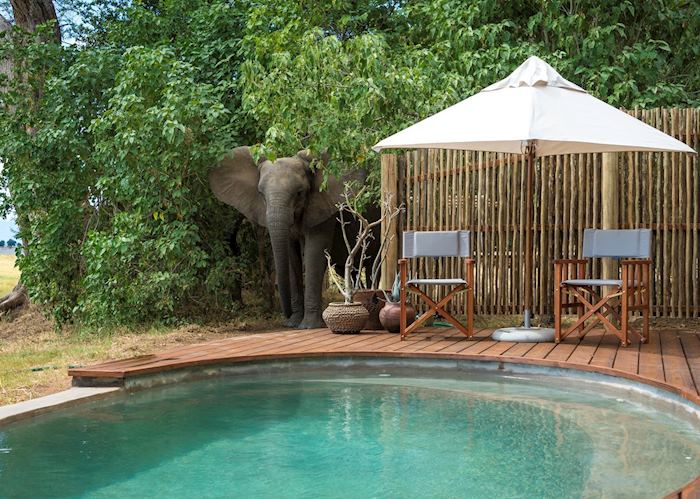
{"points": [[484, 193]]}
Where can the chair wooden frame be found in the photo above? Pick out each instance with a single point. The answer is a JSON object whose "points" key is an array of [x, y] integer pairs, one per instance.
{"points": [[438, 307], [617, 301]]}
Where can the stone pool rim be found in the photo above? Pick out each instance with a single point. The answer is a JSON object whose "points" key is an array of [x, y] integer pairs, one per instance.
{"points": [[98, 387], [85, 377]]}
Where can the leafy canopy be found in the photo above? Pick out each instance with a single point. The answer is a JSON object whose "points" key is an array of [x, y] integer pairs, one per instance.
{"points": [[107, 142]]}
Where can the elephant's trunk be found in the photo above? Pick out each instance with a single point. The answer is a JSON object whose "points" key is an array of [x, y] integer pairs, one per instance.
{"points": [[278, 223]]}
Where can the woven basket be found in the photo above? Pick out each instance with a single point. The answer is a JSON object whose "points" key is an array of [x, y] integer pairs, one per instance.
{"points": [[345, 317]]}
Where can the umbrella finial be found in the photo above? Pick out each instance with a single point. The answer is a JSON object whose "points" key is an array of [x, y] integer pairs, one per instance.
{"points": [[534, 72]]}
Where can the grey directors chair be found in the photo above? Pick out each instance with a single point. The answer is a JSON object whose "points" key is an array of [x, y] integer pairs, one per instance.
{"points": [[628, 293], [455, 243]]}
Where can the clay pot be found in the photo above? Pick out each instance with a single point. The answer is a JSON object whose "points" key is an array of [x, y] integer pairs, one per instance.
{"points": [[390, 316], [372, 300], [345, 317]]}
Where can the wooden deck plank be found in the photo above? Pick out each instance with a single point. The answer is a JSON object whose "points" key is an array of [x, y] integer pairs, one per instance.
{"points": [[586, 348], [563, 350], [627, 359], [478, 336], [604, 355], [367, 346], [499, 348], [397, 344], [338, 343], [651, 363], [691, 349], [438, 346], [371, 342], [477, 347], [676, 370], [519, 349], [539, 351], [461, 345], [283, 346]]}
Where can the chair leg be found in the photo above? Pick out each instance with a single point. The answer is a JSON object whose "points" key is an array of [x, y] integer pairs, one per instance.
{"points": [[469, 272], [557, 314], [624, 319], [403, 278], [470, 312]]}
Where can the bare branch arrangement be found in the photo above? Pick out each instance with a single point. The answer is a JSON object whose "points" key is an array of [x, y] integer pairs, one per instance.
{"points": [[349, 213]]}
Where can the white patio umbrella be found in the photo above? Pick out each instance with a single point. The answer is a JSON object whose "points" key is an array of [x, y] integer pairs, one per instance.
{"points": [[535, 112]]}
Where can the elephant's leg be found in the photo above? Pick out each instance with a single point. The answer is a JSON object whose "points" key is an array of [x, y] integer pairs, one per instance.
{"points": [[296, 282], [317, 240]]}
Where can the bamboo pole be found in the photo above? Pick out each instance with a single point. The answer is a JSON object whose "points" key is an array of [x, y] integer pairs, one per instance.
{"points": [[390, 187], [610, 194]]}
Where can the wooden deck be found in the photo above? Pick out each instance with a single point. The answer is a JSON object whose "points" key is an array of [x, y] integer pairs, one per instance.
{"points": [[671, 359]]}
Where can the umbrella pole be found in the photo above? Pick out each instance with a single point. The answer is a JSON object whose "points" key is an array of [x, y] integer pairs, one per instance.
{"points": [[530, 174], [527, 333]]}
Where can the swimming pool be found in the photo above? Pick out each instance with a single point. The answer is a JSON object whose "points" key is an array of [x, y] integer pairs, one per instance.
{"points": [[363, 432]]}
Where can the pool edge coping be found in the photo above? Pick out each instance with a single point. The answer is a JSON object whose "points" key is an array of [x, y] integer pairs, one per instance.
{"points": [[118, 378], [66, 398]]}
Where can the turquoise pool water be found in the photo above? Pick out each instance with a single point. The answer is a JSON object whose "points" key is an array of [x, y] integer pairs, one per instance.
{"points": [[360, 433]]}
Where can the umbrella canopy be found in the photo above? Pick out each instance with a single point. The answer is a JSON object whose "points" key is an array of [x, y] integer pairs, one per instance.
{"points": [[534, 105], [536, 112]]}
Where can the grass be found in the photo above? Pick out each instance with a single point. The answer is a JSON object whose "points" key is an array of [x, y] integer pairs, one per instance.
{"points": [[9, 274], [36, 358]]}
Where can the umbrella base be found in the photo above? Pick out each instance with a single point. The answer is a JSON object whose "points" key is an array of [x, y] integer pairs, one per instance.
{"points": [[524, 334]]}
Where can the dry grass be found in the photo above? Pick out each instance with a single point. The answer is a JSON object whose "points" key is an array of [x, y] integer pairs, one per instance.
{"points": [[9, 274], [34, 358]]}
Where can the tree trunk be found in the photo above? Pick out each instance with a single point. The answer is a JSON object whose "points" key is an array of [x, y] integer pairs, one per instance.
{"points": [[15, 299], [6, 65], [29, 14]]}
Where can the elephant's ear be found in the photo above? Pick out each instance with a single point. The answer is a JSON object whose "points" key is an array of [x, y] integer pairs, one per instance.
{"points": [[323, 204], [235, 181]]}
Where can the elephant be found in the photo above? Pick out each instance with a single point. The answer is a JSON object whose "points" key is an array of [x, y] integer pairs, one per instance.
{"points": [[286, 197]]}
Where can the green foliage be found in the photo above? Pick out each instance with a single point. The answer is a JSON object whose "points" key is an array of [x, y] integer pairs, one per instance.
{"points": [[315, 78], [107, 172], [632, 54], [155, 140], [107, 143]]}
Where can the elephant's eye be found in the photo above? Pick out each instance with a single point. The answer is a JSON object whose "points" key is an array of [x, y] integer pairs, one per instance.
{"points": [[300, 193]]}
